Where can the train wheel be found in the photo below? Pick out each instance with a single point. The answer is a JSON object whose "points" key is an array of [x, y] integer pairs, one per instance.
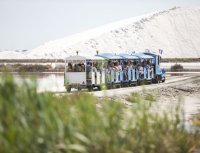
{"points": [[89, 88], [163, 80], [157, 80], [99, 88], [112, 85], [68, 89], [121, 85], [129, 84], [138, 82]]}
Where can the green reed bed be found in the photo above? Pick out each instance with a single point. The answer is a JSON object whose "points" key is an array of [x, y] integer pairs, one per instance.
{"points": [[32, 122]]}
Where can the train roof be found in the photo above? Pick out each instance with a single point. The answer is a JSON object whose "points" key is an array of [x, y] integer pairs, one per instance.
{"points": [[128, 56], [82, 58], [142, 56], [110, 56], [152, 54], [96, 57], [75, 58], [103, 56]]}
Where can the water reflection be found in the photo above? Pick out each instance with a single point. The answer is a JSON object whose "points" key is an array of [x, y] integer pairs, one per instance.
{"points": [[53, 82]]}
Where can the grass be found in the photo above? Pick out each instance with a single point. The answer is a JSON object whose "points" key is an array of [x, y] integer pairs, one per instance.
{"points": [[45, 123], [136, 97]]}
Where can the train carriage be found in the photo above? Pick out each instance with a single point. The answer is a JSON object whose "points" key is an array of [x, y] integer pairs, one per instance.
{"points": [[112, 70], [145, 67], [159, 74], [130, 71], [84, 72]]}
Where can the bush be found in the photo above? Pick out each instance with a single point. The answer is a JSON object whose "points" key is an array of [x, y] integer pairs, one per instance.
{"points": [[42, 122], [25, 68], [2, 67], [176, 68], [34, 68]]}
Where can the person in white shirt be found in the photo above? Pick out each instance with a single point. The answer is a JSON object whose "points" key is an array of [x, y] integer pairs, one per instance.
{"points": [[141, 70], [118, 66]]}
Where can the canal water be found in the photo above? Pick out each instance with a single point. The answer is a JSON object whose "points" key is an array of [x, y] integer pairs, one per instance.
{"points": [[52, 82]]}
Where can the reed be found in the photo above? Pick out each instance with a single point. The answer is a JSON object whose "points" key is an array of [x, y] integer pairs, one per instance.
{"points": [[45, 123]]}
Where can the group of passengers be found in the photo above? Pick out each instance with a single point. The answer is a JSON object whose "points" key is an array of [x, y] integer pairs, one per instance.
{"points": [[140, 66], [76, 68], [115, 66]]}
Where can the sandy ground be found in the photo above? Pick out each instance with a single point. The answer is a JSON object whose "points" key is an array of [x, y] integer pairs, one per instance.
{"points": [[170, 82], [170, 94], [184, 90]]}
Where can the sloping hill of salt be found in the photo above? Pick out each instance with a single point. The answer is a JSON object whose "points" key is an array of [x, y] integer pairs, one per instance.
{"points": [[176, 31]]}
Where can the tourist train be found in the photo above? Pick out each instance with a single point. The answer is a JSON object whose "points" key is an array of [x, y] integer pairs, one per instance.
{"points": [[112, 70]]}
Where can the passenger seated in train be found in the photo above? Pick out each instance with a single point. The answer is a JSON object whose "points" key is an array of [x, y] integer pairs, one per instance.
{"points": [[88, 70], [148, 64], [80, 68], [88, 67], [113, 66], [130, 64], [118, 67], [108, 71], [125, 70], [149, 67], [94, 67], [69, 68], [141, 70], [83, 67], [108, 67]]}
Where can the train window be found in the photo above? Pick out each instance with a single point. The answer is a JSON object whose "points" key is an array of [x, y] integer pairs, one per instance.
{"points": [[76, 67]]}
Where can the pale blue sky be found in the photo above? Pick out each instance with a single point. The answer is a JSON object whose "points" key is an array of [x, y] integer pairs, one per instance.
{"points": [[26, 24]]}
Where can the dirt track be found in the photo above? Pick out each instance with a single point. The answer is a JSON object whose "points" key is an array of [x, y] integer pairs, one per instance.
{"points": [[184, 90], [171, 84]]}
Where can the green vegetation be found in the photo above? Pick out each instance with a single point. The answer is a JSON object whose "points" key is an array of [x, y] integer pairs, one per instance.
{"points": [[176, 68], [168, 60], [32, 122], [30, 68], [134, 97]]}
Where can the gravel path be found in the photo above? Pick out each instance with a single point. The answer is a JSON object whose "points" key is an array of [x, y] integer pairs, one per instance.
{"points": [[170, 82]]}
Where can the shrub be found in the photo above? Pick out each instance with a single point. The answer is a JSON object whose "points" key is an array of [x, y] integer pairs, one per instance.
{"points": [[176, 68], [134, 97], [25, 68], [42, 122], [34, 68]]}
